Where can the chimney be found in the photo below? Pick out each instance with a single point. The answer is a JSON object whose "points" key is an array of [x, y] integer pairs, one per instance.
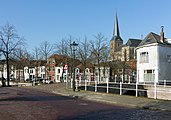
{"points": [[162, 35]]}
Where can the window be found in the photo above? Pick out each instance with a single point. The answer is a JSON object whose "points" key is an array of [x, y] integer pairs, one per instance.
{"points": [[149, 75], [168, 58], [144, 57], [31, 71], [26, 70], [42, 69], [87, 70], [77, 70], [148, 40], [58, 70]]}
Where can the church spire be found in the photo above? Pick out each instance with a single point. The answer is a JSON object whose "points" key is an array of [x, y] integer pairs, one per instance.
{"points": [[116, 27]]}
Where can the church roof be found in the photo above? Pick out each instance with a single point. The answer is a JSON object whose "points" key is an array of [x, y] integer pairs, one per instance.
{"points": [[116, 38], [133, 42], [116, 27], [116, 33]]}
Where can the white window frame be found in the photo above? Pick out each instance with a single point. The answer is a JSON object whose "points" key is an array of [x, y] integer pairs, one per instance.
{"points": [[149, 75], [144, 57]]}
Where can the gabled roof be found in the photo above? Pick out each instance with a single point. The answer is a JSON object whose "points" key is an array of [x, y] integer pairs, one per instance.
{"points": [[133, 42], [35, 63], [82, 67], [150, 38], [62, 59]]}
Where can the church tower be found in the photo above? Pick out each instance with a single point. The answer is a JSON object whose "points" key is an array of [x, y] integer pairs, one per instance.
{"points": [[116, 40]]}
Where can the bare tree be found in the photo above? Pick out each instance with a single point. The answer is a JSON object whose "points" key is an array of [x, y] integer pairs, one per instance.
{"points": [[62, 47], [36, 53], [22, 58], [98, 48], [9, 41], [46, 49], [84, 53]]}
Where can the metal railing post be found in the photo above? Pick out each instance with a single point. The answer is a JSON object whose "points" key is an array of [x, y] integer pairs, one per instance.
{"points": [[155, 90], [120, 88], [71, 82], [85, 85], [164, 83], [129, 79], [107, 86], [95, 86], [136, 89], [76, 87]]}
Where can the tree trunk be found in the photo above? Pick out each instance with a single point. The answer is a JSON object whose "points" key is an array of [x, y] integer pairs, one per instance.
{"points": [[7, 60]]}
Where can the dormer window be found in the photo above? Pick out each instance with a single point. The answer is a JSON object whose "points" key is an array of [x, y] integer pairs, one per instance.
{"points": [[148, 40]]}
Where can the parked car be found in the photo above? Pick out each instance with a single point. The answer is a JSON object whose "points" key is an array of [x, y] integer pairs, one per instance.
{"points": [[47, 81], [28, 80]]}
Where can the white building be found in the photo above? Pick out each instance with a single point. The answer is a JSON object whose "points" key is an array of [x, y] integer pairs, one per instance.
{"points": [[30, 73], [61, 73], [154, 59], [3, 70], [42, 70], [26, 73], [58, 74]]}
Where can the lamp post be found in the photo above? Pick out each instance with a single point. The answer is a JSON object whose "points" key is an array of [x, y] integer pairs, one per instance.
{"points": [[73, 47]]}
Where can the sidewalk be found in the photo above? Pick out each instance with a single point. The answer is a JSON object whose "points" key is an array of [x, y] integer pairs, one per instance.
{"points": [[121, 100]]}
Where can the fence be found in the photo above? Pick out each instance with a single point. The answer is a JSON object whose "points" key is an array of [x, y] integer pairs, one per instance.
{"points": [[152, 90]]}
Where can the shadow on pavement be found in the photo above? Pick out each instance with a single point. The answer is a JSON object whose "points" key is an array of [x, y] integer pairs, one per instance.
{"points": [[37, 98]]}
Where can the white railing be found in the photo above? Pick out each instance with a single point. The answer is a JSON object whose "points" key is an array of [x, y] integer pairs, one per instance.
{"points": [[154, 88]]}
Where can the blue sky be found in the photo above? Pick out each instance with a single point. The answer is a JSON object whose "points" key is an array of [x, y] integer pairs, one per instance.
{"points": [[52, 20]]}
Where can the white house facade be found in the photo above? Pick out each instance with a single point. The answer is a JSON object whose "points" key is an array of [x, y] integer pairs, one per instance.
{"points": [[30, 73], [42, 70], [58, 74], [26, 73], [154, 59]]}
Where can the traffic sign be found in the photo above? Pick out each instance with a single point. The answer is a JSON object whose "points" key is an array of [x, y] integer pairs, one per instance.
{"points": [[66, 67]]}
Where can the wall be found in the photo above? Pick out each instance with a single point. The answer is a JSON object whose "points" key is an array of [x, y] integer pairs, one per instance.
{"points": [[162, 92], [165, 63]]}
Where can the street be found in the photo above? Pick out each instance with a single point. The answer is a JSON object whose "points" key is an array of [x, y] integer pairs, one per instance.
{"points": [[28, 104]]}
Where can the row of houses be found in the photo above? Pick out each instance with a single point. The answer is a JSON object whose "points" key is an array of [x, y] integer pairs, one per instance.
{"points": [[57, 68]]}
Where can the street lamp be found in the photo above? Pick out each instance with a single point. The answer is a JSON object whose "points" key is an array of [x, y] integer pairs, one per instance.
{"points": [[73, 47]]}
